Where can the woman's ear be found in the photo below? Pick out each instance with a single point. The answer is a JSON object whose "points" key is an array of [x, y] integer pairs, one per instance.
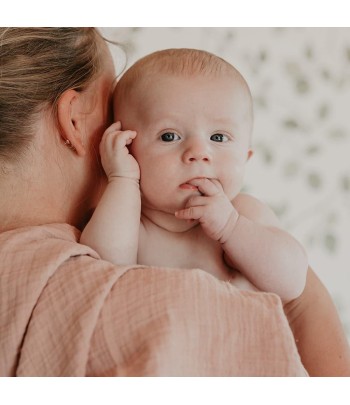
{"points": [[69, 114]]}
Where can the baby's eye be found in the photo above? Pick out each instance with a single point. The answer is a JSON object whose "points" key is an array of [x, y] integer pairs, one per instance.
{"points": [[219, 138], [169, 137]]}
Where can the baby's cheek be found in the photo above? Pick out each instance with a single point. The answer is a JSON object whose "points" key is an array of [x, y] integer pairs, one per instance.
{"points": [[149, 184], [232, 186]]}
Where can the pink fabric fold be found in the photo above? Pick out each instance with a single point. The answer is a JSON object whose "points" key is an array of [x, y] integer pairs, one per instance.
{"points": [[66, 312]]}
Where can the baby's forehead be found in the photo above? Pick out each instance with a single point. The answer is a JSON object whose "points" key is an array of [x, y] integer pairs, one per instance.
{"points": [[178, 63], [152, 81]]}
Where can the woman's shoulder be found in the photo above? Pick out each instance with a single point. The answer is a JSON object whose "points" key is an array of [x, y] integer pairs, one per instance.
{"points": [[51, 289], [48, 231]]}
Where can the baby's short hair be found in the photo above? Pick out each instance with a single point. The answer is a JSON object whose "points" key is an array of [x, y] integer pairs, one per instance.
{"points": [[179, 62], [182, 61]]}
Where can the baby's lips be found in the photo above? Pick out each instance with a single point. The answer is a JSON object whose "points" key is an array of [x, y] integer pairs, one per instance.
{"points": [[192, 183], [195, 180], [188, 186]]}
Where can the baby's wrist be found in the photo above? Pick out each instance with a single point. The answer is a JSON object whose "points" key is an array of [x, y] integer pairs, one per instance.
{"points": [[114, 178], [229, 227]]}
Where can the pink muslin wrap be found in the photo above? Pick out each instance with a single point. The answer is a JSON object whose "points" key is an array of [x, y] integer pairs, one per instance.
{"points": [[66, 312]]}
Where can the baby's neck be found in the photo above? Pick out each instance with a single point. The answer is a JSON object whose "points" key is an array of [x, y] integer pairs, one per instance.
{"points": [[166, 221]]}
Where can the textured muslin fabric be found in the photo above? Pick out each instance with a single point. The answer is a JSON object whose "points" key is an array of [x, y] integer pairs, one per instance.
{"points": [[66, 312]]}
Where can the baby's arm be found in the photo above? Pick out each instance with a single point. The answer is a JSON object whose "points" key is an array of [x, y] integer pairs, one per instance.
{"points": [[252, 241], [318, 332], [267, 255], [113, 230]]}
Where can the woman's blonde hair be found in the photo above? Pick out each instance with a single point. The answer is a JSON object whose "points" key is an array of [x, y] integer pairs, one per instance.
{"points": [[37, 65]]}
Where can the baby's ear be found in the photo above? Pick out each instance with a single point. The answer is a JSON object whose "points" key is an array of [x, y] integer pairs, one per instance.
{"points": [[70, 120]]}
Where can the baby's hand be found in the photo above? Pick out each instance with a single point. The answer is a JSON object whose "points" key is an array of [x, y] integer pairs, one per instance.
{"points": [[115, 157], [212, 209]]}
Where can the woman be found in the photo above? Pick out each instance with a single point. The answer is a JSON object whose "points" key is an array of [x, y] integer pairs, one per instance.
{"points": [[63, 311]]}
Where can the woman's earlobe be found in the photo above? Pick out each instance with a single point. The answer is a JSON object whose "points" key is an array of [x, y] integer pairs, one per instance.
{"points": [[68, 115]]}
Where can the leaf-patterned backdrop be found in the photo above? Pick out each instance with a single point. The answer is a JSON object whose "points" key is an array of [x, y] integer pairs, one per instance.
{"points": [[300, 81]]}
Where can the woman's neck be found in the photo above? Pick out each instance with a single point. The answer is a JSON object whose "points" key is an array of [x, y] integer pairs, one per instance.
{"points": [[30, 197], [24, 206]]}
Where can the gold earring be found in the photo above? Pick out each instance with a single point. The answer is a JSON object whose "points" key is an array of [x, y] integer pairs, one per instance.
{"points": [[68, 143]]}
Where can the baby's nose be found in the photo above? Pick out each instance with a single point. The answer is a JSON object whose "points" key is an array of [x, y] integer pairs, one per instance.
{"points": [[197, 150]]}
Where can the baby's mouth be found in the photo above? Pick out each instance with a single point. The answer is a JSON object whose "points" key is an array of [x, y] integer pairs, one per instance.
{"points": [[187, 186]]}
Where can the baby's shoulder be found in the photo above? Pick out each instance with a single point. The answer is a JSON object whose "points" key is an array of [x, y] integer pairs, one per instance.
{"points": [[254, 209]]}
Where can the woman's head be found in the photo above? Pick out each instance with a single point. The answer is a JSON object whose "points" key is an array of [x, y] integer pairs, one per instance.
{"points": [[55, 87], [37, 65]]}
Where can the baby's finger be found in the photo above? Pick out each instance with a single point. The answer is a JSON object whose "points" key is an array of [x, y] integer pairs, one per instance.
{"points": [[217, 183], [117, 140], [206, 186], [109, 132], [190, 213], [121, 138], [196, 201], [116, 126]]}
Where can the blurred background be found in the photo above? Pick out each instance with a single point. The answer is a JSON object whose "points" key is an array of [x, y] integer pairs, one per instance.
{"points": [[300, 82]]}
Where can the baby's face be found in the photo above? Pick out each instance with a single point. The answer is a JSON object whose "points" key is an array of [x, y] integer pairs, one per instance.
{"points": [[188, 127]]}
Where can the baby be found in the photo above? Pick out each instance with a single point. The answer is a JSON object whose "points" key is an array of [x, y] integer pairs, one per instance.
{"points": [[174, 178]]}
